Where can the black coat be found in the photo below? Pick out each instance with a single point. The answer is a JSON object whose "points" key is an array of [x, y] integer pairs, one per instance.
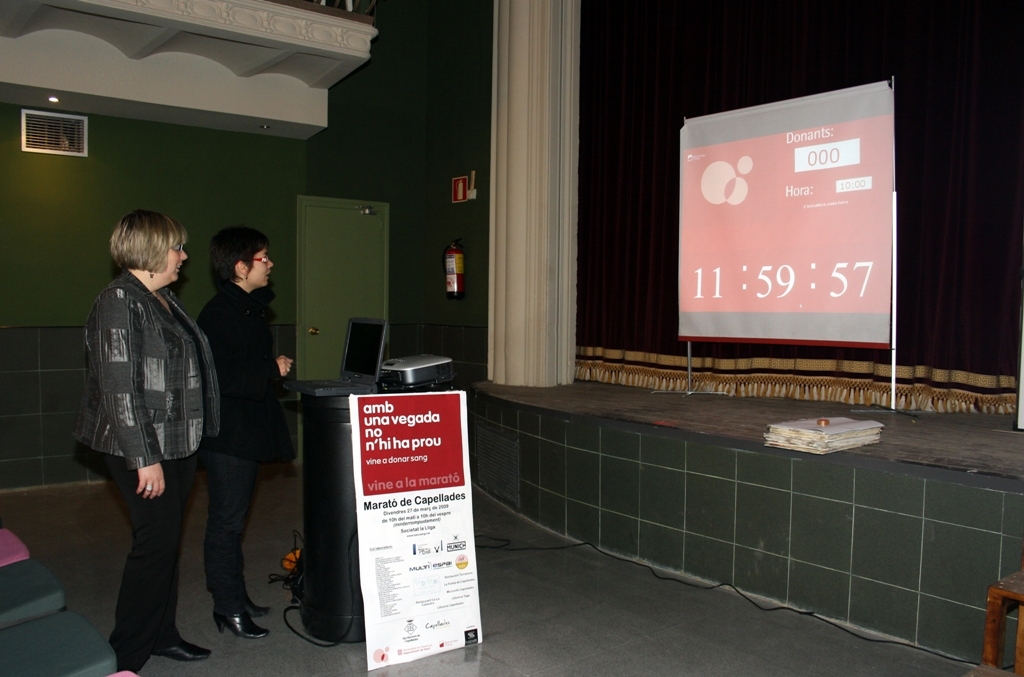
{"points": [[252, 420]]}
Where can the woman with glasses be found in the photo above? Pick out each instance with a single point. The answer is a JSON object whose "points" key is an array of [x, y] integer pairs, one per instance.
{"points": [[150, 396], [253, 425]]}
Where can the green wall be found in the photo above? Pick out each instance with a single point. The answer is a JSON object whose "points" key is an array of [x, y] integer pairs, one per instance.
{"points": [[56, 212], [416, 116]]}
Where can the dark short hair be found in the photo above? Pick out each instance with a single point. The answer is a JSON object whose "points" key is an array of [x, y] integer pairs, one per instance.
{"points": [[141, 239], [234, 244]]}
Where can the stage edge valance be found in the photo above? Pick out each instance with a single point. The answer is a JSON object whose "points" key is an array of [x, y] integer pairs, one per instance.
{"points": [[918, 388]]}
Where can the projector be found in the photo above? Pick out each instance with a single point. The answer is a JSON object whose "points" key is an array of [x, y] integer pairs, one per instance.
{"points": [[419, 370]]}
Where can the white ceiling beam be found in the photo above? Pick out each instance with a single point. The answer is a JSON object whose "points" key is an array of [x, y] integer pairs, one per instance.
{"points": [[250, 65]]}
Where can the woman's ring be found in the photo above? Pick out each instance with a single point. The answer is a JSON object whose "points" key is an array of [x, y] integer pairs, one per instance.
{"points": [[149, 487]]}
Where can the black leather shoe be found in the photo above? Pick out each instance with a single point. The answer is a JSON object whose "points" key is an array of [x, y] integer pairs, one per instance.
{"points": [[254, 610], [184, 651], [240, 624]]}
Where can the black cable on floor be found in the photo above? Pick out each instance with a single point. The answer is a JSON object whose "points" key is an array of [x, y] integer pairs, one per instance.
{"points": [[301, 635], [292, 581], [504, 543]]}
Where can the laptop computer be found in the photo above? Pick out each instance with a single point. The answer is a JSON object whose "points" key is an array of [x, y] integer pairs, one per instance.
{"points": [[360, 362]]}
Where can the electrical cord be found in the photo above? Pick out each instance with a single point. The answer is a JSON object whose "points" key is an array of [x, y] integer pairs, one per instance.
{"points": [[293, 582], [504, 543], [292, 563], [301, 635]]}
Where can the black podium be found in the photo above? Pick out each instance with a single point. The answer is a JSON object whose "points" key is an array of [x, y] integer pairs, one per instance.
{"points": [[332, 603]]}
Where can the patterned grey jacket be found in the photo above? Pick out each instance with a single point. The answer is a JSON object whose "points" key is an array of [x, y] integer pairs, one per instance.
{"points": [[144, 395]]}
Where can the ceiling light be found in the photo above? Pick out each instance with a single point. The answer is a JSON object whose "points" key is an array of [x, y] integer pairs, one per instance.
{"points": [[53, 99]]}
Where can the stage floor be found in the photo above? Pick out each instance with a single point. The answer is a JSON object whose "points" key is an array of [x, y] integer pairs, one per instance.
{"points": [[982, 444]]}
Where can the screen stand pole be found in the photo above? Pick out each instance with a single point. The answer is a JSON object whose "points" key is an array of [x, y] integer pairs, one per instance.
{"points": [[892, 326], [689, 378], [689, 367], [892, 383]]}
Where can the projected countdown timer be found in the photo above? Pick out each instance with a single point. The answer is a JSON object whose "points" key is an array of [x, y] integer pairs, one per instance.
{"points": [[780, 281], [787, 235]]}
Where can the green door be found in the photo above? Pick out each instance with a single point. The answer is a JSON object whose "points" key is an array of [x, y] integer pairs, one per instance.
{"points": [[342, 262]]}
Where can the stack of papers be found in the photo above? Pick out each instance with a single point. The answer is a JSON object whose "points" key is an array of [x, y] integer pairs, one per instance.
{"points": [[822, 435]]}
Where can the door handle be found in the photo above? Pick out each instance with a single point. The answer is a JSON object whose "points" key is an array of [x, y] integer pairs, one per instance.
{"points": [[313, 331]]}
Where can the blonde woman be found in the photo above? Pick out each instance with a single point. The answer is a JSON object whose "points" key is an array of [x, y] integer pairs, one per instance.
{"points": [[150, 396]]}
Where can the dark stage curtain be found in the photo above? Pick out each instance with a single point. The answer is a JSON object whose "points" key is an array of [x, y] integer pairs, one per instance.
{"points": [[959, 123]]}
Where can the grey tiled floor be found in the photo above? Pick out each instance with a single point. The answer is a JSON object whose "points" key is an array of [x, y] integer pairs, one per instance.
{"points": [[551, 612]]}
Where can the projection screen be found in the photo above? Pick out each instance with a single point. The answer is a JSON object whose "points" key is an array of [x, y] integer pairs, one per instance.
{"points": [[786, 221]]}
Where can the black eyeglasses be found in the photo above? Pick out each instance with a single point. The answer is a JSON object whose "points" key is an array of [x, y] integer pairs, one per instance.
{"points": [[179, 247]]}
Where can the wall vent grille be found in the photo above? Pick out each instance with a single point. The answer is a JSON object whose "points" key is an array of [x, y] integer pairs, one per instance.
{"points": [[54, 133], [497, 457]]}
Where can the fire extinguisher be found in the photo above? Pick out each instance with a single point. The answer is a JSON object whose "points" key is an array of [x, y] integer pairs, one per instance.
{"points": [[454, 268]]}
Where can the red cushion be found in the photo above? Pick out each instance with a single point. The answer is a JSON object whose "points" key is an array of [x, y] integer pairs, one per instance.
{"points": [[11, 548]]}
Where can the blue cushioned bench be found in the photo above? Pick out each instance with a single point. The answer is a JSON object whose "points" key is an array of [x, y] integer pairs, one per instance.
{"points": [[28, 590], [59, 645]]}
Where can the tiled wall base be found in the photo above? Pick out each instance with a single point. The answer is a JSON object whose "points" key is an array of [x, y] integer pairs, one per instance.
{"points": [[466, 346], [903, 555], [42, 374]]}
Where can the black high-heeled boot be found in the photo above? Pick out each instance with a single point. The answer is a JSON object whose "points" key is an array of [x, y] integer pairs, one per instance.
{"points": [[253, 609], [240, 624]]}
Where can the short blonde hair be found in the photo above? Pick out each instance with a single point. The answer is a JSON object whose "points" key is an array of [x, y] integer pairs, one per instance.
{"points": [[141, 239]]}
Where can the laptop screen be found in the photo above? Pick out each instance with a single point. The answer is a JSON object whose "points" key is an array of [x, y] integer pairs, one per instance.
{"points": [[364, 349]]}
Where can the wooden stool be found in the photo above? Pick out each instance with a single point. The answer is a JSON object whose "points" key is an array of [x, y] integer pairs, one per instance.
{"points": [[986, 671], [1003, 597]]}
